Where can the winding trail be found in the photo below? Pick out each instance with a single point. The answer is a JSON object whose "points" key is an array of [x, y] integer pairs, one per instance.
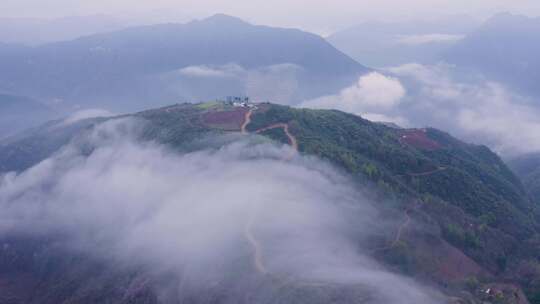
{"points": [[257, 251], [292, 140], [258, 260], [424, 173], [400, 230], [247, 121], [248, 229], [402, 227], [408, 210], [429, 172]]}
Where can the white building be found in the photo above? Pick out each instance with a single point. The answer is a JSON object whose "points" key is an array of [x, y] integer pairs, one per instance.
{"points": [[239, 101]]}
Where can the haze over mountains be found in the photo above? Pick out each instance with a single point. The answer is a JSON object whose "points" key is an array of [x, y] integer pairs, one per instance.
{"points": [[337, 190], [481, 86], [361, 206], [19, 113], [144, 66], [504, 48], [35, 31], [211, 58], [384, 44]]}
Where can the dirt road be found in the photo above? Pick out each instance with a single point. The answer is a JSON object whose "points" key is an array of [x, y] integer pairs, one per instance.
{"points": [[292, 140], [424, 173], [258, 261], [256, 247], [400, 230], [247, 120]]}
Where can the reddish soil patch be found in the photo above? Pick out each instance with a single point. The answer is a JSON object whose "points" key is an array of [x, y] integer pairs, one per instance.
{"points": [[418, 138], [442, 261], [228, 120], [456, 266]]}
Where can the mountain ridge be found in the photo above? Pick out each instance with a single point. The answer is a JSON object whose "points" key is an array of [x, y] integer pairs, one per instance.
{"points": [[422, 175], [18, 113], [502, 49], [114, 66]]}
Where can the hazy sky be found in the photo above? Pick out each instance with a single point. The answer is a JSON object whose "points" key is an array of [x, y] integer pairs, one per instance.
{"points": [[315, 15]]}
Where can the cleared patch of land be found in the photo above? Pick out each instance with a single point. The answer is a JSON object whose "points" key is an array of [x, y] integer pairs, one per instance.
{"points": [[230, 120], [418, 138]]}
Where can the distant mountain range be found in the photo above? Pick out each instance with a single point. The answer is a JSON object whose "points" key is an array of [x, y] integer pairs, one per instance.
{"points": [[35, 31], [133, 68], [18, 113], [505, 48], [459, 220], [527, 167], [383, 44]]}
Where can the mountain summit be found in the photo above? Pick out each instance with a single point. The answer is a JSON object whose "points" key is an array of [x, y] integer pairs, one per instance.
{"points": [[130, 68], [505, 49], [455, 216], [222, 19]]}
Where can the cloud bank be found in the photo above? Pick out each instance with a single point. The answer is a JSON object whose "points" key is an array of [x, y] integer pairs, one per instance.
{"points": [[471, 107], [373, 94], [229, 215], [279, 83], [467, 105], [230, 70], [85, 114], [428, 38]]}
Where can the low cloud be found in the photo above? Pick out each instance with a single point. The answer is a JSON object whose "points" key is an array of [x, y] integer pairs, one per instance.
{"points": [[428, 38], [210, 215], [85, 114], [274, 83], [204, 71], [442, 96], [374, 94], [470, 107], [279, 83]]}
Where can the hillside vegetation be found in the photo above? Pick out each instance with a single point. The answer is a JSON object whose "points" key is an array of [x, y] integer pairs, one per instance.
{"points": [[469, 224]]}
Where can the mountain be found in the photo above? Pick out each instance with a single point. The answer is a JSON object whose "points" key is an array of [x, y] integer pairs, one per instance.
{"points": [[462, 221], [214, 57], [527, 167], [18, 113], [504, 49], [384, 44], [33, 31]]}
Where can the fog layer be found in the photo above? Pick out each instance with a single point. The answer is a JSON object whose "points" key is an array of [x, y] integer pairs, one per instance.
{"points": [[222, 215], [467, 105]]}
